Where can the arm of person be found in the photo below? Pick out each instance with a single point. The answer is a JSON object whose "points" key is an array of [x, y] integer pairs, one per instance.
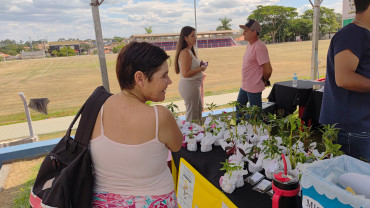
{"points": [[267, 71], [169, 133], [345, 63], [185, 64]]}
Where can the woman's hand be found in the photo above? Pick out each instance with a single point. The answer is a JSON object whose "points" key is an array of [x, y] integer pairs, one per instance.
{"points": [[203, 68]]}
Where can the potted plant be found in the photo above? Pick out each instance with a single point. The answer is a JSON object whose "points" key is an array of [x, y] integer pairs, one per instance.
{"points": [[232, 178], [254, 119], [272, 155], [192, 143], [232, 134], [255, 159], [330, 135], [206, 142], [210, 107], [173, 108], [293, 124], [212, 126]]}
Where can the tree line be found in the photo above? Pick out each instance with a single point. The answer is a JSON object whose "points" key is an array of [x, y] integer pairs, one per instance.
{"points": [[284, 23], [12, 47], [279, 23]]}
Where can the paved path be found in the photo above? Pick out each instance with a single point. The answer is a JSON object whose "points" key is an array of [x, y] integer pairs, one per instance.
{"points": [[51, 125]]}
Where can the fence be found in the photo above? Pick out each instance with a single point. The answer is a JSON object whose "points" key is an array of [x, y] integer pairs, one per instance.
{"points": [[61, 124], [41, 124], [202, 43]]}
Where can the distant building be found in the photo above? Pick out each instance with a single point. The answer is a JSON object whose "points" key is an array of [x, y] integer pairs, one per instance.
{"points": [[108, 49], [240, 40], [32, 54], [41, 47], [5, 56], [322, 37], [75, 45], [209, 39]]}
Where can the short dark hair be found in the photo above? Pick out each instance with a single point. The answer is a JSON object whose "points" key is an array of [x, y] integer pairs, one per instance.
{"points": [[361, 5], [136, 56]]}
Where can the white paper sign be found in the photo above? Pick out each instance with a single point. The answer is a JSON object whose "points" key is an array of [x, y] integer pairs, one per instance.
{"points": [[185, 187], [257, 176]]}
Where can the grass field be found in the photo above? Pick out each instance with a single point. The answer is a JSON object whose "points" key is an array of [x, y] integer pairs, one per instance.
{"points": [[68, 81]]}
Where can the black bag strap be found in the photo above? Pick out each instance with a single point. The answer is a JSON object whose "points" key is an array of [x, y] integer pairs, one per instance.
{"points": [[88, 112], [68, 133], [89, 115]]}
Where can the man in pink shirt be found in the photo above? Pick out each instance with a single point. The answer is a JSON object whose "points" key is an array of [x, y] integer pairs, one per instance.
{"points": [[256, 70]]}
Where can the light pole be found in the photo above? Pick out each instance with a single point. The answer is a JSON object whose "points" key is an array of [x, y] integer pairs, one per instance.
{"points": [[315, 39], [196, 31], [99, 42]]}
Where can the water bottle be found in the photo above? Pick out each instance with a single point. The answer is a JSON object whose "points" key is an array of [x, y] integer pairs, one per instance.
{"points": [[286, 189], [295, 79], [285, 185]]}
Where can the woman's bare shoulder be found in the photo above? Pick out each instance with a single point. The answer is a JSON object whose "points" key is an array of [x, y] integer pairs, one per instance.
{"points": [[164, 112], [169, 132], [185, 52], [185, 55]]}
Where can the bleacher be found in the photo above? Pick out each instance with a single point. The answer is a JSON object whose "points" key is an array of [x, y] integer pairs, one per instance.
{"points": [[205, 43], [167, 46], [209, 39], [215, 43]]}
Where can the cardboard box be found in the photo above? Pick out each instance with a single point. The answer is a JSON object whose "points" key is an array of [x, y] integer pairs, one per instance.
{"points": [[319, 181]]}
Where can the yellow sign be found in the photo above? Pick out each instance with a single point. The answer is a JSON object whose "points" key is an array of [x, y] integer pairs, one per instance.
{"points": [[195, 191]]}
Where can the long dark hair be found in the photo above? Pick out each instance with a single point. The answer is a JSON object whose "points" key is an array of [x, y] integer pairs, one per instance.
{"points": [[181, 44], [135, 57]]}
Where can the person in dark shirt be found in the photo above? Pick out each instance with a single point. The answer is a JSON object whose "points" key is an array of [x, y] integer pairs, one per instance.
{"points": [[346, 100]]}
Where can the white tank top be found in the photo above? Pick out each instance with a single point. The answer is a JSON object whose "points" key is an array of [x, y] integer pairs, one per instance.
{"points": [[195, 63], [136, 170]]}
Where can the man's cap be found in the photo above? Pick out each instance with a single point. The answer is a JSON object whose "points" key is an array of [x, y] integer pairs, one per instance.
{"points": [[253, 25]]}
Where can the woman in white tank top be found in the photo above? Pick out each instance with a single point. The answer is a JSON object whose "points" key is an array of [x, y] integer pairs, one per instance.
{"points": [[130, 141], [191, 74]]}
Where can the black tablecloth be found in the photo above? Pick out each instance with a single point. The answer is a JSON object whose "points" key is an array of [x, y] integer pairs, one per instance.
{"points": [[288, 97], [313, 107], [208, 164]]}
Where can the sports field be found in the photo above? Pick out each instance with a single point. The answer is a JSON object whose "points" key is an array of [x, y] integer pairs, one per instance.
{"points": [[68, 81]]}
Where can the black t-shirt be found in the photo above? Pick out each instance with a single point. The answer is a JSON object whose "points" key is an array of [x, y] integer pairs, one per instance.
{"points": [[350, 109]]}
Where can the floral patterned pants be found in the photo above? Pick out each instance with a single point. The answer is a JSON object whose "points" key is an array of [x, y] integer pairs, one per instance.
{"points": [[108, 200]]}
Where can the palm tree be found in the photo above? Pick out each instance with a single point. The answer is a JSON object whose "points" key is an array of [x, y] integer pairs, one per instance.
{"points": [[148, 30], [225, 24]]}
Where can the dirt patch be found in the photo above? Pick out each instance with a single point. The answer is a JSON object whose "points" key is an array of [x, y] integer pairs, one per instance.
{"points": [[20, 173]]}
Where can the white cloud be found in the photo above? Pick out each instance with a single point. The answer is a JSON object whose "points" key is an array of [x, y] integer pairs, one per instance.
{"points": [[337, 6], [20, 19], [15, 9], [135, 17], [303, 8], [70, 4], [332, 4]]}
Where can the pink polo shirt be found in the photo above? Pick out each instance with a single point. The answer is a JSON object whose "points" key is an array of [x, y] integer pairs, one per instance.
{"points": [[252, 71]]}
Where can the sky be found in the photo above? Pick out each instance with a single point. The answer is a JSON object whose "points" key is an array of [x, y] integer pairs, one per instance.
{"points": [[54, 19]]}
